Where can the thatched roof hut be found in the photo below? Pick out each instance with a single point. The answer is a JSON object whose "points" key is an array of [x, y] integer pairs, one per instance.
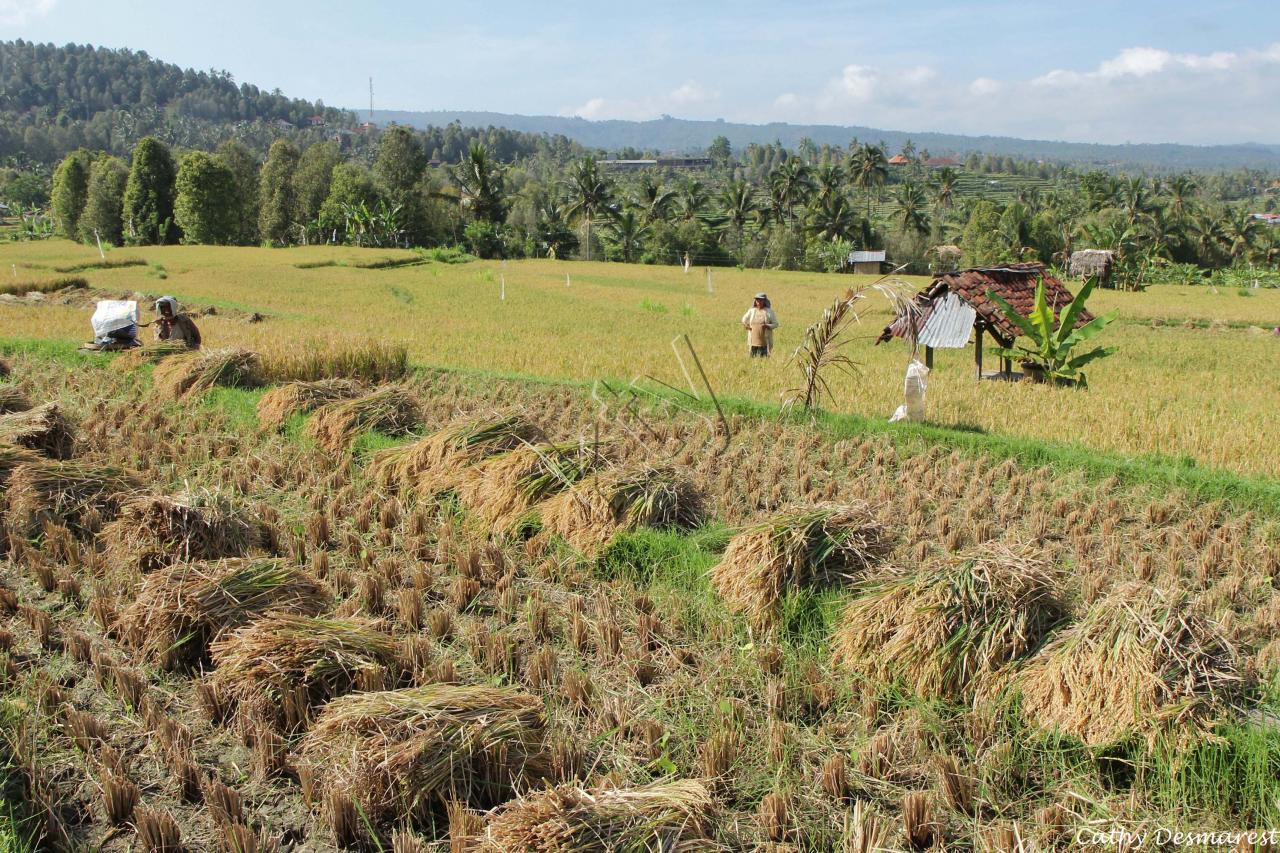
{"points": [[1093, 262], [946, 258]]}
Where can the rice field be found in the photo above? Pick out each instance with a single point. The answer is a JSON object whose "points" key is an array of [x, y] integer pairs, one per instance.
{"points": [[441, 610], [1193, 380]]}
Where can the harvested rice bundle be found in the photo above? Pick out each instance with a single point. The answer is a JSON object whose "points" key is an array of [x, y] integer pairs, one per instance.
{"points": [[11, 457], [180, 610], [805, 545], [621, 499], [1143, 661], [335, 425], [279, 404], [438, 462], [567, 819], [155, 531], [13, 400], [180, 375], [43, 429], [265, 662], [503, 490], [946, 628], [148, 354], [72, 494], [400, 754]]}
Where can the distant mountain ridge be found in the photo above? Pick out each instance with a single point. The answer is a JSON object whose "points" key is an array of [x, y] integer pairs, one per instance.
{"points": [[676, 135]]}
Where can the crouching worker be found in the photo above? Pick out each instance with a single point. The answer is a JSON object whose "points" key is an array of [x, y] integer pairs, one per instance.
{"points": [[173, 325]]}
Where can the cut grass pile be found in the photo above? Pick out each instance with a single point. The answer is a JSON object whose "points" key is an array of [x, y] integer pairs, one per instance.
{"points": [[391, 410], [12, 399], [11, 457], [437, 463], [181, 375], [947, 628], [43, 429], [504, 490], [570, 819], [180, 610], [622, 499], [402, 754], [77, 495], [152, 353], [155, 531], [807, 545], [302, 397]]}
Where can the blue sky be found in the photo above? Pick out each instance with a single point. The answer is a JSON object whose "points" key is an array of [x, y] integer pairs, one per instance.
{"points": [[1089, 71]]}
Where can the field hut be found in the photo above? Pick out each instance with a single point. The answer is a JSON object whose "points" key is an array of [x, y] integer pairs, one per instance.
{"points": [[1093, 262], [866, 262], [946, 258], [956, 303]]}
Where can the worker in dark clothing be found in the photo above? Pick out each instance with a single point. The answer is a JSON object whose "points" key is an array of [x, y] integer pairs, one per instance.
{"points": [[175, 326]]}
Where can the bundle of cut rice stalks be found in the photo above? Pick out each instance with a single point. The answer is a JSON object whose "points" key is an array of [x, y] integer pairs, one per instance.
{"points": [[569, 819], [180, 610], [503, 491], [438, 462], [155, 531], [617, 500], [13, 400], [72, 494], [269, 663], [281, 403], [11, 457], [391, 410], [192, 373], [808, 545], [401, 754], [945, 629], [153, 353], [1142, 662], [43, 429]]}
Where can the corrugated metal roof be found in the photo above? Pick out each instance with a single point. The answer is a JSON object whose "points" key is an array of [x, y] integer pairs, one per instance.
{"points": [[866, 257], [949, 323]]}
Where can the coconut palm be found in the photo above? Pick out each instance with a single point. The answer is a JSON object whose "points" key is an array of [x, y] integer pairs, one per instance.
{"points": [[627, 230], [691, 200], [909, 209], [869, 170], [1182, 190], [944, 187], [590, 194], [790, 185], [1240, 230], [482, 184], [739, 206], [1134, 199], [828, 181], [653, 200], [834, 218]]}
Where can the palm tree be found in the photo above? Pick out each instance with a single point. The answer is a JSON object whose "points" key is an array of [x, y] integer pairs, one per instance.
{"points": [[909, 209], [482, 184], [627, 230], [869, 169], [653, 200], [739, 206], [1210, 237], [828, 180], [834, 218], [1182, 190], [590, 194], [691, 200], [1240, 230], [944, 187], [1134, 199], [791, 183]]}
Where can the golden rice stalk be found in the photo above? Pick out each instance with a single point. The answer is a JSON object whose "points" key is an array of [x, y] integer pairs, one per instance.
{"points": [[155, 531], [13, 400], [1143, 661], [621, 499], [279, 404], [946, 628], [807, 545], [192, 373], [502, 491], [43, 429], [401, 754], [335, 425], [67, 493], [11, 457], [569, 819], [437, 463], [281, 653], [180, 610], [153, 353]]}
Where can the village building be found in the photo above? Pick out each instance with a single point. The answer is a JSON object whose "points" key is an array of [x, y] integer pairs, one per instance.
{"points": [[867, 262], [898, 160]]}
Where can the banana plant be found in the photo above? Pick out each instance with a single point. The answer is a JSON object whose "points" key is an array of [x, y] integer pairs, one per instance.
{"points": [[1053, 344]]}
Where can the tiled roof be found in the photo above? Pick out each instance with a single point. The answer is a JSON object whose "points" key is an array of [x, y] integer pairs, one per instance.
{"points": [[1015, 283]]}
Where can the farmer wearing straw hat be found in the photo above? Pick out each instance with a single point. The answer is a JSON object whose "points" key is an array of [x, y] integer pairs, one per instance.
{"points": [[175, 326], [760, 321]]}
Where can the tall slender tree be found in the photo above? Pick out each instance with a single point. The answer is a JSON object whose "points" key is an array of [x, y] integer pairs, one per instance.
{"points": [[149, 194], [206, 208], [276, 197], [483, 184], [311, 182], [244, 170], [869, 170], [590, 194], [104, 202], [71, 191]]}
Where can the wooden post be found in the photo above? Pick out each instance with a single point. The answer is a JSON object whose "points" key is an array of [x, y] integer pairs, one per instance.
{"points": [[977, 351], [928, 357]]}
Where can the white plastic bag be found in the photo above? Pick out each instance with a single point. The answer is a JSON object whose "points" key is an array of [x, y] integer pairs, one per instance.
{"points": [[112, 315], [914, 387]]}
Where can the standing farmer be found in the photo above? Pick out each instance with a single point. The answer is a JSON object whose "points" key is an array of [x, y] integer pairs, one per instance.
{"points": [[173, 325], [760, 321]]}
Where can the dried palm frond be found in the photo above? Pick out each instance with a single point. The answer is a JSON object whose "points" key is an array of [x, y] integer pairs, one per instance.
{"points": [[279, 404], [808, 545], [391, 410], [503, 490], [43, 429], [438, 462], [180, 610], [569, 819], [401, 754], [156, 531], [192, 373], [944, 629], [67, 493], [620, 499]]}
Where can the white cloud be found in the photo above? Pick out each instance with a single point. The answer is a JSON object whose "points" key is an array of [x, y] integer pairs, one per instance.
{"points": [[15, 13], [1142, 94], [690, 95]]}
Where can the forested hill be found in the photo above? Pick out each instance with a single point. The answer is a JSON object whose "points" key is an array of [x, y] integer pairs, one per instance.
{"points": [[56, 99], [669, 134]]}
